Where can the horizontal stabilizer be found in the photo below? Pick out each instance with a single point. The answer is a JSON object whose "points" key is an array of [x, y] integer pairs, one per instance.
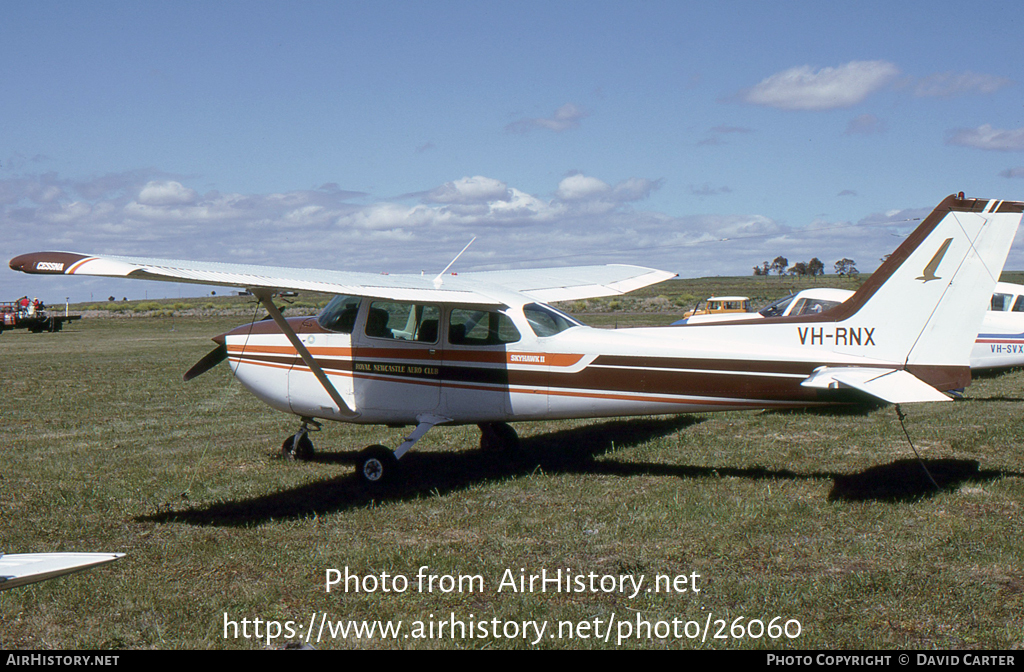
{"points": [[19, 569], [894, 386]]}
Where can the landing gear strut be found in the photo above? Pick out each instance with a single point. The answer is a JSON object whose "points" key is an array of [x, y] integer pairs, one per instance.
{"points": [[298, 446], [377, 465]]}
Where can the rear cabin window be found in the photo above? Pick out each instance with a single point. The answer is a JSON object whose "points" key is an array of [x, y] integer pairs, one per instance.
{"points": [[1001, 302], [403, 321], [546, 321], [813, 306], [1018, 305], [481, 327]]}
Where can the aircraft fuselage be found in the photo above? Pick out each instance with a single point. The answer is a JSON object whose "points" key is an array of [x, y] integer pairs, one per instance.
{"points": [[392, 375]]}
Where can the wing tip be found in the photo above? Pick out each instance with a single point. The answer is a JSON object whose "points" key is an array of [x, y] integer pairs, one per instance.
{"points": [[52, 263]]}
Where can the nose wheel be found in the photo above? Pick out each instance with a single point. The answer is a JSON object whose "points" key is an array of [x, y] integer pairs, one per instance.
{"points": [[298, 446]]}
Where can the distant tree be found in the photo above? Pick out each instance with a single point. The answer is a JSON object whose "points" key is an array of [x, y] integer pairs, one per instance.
{"points": [[815, 267], [799, 268], [846, 267], [757, 270], [780, 264]]}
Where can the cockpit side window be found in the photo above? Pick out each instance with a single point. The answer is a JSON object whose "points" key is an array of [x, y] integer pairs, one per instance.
{"points": [[1018, 305], [340, 314], [546, 321], [403, 321], [467, 326]]}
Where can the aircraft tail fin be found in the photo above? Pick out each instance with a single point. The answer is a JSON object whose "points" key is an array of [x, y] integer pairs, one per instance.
{"points": [[923, 307]]}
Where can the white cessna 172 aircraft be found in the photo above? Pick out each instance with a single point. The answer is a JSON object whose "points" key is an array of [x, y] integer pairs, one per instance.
{"points": [[485, 348]]}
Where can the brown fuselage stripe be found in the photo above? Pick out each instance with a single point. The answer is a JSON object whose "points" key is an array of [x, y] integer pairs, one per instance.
{"points": [[809, 397], [731, 379], [498, 357]]}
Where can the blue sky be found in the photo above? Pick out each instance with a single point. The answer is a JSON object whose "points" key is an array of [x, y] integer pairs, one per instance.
{"points": [[383, 136]]}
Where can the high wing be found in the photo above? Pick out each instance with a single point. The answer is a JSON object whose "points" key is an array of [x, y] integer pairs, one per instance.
{"points": [[574, 282], [484, 288]]}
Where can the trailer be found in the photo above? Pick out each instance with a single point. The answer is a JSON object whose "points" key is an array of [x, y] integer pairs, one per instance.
{"points": [[32, 316]]}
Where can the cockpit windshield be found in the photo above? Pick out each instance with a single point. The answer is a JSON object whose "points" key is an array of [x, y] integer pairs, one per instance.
{"points": [[776, 308], [340, 314]]}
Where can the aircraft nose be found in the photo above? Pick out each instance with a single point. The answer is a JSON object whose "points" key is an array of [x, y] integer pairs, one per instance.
{"points": [[246, 330], [219, 354], [268, 326]]}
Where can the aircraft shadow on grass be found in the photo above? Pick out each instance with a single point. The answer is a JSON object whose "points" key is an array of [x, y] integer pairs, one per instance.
{"points": [[571, 451], [907, 481]]}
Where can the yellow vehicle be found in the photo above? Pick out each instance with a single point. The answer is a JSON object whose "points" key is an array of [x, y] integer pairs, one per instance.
{"points": [[716, 305]]}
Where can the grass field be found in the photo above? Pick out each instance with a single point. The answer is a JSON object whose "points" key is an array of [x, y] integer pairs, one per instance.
{"points": [[820, 522]]}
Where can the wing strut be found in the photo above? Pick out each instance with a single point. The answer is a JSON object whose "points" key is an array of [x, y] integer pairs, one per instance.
{"points": [[266, 298]]}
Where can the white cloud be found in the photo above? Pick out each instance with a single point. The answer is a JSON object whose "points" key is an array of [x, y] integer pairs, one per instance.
{"points": [[589, 220], [634, 189], [387, 216], [580, 187], [166, 193], [470, 190], [521, 204], [987, 137], [802, 88]]}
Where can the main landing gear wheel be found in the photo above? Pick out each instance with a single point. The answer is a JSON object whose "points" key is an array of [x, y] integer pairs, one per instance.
{"points": [[297, 447], [376, 466], [498, 437]]}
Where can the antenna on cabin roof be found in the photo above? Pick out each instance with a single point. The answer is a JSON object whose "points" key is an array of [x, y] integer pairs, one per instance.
{"points": [[438, 280]]}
